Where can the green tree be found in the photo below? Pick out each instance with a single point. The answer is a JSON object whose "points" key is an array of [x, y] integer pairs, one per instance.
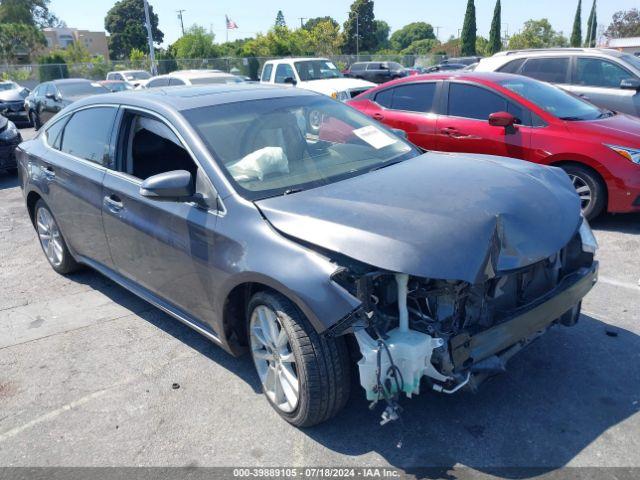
{"points": [[468, 37], [592, 27], [52, 66], [361, 16], [195, 43], [280, 42], [18, 39], [30, 12], [495, 34], [280, 22], [381, 31], [576, 31], [325, 38], [537, 34], [483, 46], [138, 59], [410, 33], [125, 23], [625, 23], [312, 22], [421, 47]]}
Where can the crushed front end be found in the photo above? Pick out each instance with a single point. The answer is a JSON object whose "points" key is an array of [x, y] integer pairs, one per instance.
{"points": [[448, 334]]}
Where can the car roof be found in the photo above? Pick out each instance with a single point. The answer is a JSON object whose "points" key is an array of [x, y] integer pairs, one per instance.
{"points": [[188, 97], [62, 81], [492, 77], [296, 59], [557, 51], [198, 74]]}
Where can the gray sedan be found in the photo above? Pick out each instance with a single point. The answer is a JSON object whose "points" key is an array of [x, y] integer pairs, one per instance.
{"points": [[285, 224]]}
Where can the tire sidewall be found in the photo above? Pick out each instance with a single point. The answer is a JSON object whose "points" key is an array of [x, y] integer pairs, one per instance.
{"points": [[597, 203], [68, 263]]}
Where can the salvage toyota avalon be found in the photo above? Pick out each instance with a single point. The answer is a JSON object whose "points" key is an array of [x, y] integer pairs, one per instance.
{"points": [[286, 224]]}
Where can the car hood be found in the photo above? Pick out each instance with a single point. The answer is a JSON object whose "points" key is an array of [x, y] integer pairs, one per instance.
{"points": [[620, 128], [330, 85], [11, 96], [441, 216]]}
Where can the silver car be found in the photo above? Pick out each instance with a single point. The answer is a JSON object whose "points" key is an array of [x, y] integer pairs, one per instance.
{"points": [[608, 78]]}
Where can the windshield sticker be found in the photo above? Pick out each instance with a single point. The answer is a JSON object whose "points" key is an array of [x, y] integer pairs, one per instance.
{"points": [[374, 137]]}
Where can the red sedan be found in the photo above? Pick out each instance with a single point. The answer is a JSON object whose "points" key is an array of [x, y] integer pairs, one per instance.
{"points": [[514, 116]]}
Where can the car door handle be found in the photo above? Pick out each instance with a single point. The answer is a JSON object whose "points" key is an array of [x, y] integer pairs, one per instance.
{"points": [[48, 172], [378, 116], [450, 131], [113, 203]]}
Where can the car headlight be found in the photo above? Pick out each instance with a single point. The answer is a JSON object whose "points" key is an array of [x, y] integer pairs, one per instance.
{"points": [[589, 242], [10, 132], [632, 154]]}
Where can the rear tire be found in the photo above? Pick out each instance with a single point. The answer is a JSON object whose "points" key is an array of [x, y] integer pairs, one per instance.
{"points": [[589, 187], [321, 365], [51, 240]]}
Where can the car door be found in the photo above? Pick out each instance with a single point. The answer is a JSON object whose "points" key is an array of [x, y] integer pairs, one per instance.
{"points": [[72, 168], [598, 81], [166, 247], [410, 107], [374, 72], [465, 127], [49, 103]]}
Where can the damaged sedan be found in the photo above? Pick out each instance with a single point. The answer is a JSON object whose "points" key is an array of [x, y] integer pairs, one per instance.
{"points": [[282, 223]]}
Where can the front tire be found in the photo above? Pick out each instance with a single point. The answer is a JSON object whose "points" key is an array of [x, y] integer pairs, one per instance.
{"points": [[35, 120], [590, 189], [51, 240], [305, 377]]}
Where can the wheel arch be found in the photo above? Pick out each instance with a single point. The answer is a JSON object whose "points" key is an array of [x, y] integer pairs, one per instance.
{"points": [[31, 200], [590, 168]]}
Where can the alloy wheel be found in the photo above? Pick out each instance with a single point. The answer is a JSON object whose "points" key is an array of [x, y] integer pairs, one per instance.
{"points": [[274, 359], [583, 189], [49, 236]]}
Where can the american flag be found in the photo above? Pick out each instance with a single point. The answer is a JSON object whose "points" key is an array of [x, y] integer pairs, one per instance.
{"points": [[231, 25]]}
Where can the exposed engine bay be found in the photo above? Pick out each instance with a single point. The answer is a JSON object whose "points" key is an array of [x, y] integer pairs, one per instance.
{"points": [[449, 334]]}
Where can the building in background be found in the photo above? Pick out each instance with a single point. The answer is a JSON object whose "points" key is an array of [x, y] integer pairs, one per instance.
{"points": [[95, 42], [629, 45]]}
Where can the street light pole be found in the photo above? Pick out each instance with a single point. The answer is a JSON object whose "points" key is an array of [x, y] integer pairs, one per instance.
{"points": [[154, 70], [180, 12], [357, 36]]}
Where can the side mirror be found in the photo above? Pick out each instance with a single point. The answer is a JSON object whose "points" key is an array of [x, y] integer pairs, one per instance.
{"points": [[174, 186], [290, 80], [630, 84], [502, 119]]}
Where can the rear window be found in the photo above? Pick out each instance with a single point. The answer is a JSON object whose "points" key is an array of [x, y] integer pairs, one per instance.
{"points": [[513, 66], [553, 70], [81, 88], [357, 67], [87, 134]]}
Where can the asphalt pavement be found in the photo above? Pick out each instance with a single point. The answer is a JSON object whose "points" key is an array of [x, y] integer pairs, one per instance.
{"points": [[87, 374]]}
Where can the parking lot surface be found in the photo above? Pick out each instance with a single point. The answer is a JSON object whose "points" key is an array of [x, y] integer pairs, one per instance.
{"points": [[87, 374]]}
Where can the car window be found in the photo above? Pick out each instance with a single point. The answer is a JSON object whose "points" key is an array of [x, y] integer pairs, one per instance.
{"points": [[513, 66], [53, 133], [373, 66], [176, 81], [553, 70], [357, 67], [272, 146], [87, 134], [158, 82], [416, 97], [81, 88], [50, 89], [284, 71], [266, 72], [153, 148], [469, 101], [596, 72]]}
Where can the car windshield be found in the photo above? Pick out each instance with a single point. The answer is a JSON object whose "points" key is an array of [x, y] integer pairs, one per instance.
{"points": [[81, 88], [631, 60], [553, 99], [141, 75], [4, 86], [316, 70], [283, 145]]}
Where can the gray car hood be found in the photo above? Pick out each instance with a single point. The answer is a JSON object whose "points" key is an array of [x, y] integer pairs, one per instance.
{"points": [[13, 95], [442, 216]]}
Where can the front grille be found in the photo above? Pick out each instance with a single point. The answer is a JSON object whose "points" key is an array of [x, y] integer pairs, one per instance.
{"points": [[12, 106]]}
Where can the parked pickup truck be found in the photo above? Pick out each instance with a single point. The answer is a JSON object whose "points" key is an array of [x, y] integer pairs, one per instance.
{"points": [[316, 74]]}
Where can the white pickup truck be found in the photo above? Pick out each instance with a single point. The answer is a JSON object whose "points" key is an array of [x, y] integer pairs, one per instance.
{"points": [[316, 74]]}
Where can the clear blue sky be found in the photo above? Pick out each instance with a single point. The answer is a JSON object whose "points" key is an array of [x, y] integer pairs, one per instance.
{"points": [[258, 15]]}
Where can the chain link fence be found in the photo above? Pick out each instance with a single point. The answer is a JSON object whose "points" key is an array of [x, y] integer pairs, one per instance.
{"points": [[30, 75]]}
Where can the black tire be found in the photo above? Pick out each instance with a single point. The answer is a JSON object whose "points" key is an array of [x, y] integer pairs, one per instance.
{"points": [[68, 263], [584, 176], [322, 363]]}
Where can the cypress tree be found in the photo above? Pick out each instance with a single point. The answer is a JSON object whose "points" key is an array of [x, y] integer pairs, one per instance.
{"points": [[576, 33], [592, 27], [468, 37], [495, 40]]}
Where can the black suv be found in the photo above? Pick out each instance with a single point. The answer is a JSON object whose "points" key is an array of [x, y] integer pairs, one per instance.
{"points": [[378, 72]]}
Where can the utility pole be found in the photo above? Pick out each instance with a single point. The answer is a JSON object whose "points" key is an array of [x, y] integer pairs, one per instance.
{"points": [[180, 12], [437, 32], [357, 36], [154, 70], [302, 19]]}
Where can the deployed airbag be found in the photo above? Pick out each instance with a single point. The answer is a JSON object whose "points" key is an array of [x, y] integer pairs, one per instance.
{"points": [[260, 163]]}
